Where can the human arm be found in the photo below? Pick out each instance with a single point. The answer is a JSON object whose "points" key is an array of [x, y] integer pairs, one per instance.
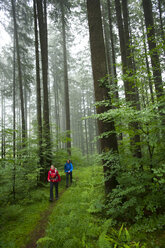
{"points": [[71, 167]]}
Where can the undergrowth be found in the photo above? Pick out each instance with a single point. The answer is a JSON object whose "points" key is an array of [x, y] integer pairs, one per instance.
{"points": [[78, 220], [20, 219]]}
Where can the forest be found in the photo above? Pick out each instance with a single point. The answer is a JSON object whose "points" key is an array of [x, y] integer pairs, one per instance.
{"points": [[82, 80]]}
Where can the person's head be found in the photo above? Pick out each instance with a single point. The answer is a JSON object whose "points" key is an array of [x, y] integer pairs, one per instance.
{"points": [[68, 161], [52, 167]]}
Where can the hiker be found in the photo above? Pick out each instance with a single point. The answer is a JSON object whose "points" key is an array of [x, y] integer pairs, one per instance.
{"points": [[68, 170], [53, 178]]}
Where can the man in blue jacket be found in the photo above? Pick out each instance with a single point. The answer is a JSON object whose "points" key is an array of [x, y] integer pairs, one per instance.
{"points": [[68, 170]]}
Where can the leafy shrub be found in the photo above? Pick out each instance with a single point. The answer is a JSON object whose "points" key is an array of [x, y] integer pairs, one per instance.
{"points": [[114, 239], [139, 195]]}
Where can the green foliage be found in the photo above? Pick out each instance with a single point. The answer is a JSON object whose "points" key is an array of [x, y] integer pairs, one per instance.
{"points": [[45, 242], [61, 156], [18, 220], [118, 238], [139, 195], [12, 213], [59, 159], [77, 220]]}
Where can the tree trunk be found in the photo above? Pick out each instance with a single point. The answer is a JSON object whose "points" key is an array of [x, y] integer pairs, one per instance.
{"points": [[101, 93], [91, 128], [25, 106], [56, 103], [161, 24], [131, 93], [41, 10], [81, 130], [131, 72], [107, 45], [66, 86], [2, 124], [147, 64], [38, 87], [86, 131], [113, 47], [24, 134], [14, 120], [149, 22]]}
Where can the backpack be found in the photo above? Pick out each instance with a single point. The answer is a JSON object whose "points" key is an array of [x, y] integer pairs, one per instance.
{"points": [[53, 176]]}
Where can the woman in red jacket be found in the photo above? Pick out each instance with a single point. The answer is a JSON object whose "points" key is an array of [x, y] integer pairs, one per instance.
{"points": [[53, 178]]}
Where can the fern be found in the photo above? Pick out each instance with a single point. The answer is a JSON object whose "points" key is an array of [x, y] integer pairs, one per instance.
{"points": [[45, 242]]}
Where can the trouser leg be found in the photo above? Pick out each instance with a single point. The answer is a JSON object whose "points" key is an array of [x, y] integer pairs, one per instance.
{"points": [[51, 191], [56, 187], [67, 178], [70, 177]]}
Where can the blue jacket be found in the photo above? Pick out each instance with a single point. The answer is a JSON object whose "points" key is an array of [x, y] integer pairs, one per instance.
{"points": [[68, 167]]}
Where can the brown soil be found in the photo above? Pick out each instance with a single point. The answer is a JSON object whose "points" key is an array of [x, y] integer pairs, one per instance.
{"points": [[39, 231]]}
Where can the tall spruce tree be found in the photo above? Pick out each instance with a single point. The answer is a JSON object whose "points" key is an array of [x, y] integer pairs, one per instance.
{"points": [[131, 92], [62, 8], [42, 20], [38, 85], [149, 22], [101, 92], [24, 131], [66, 85]]}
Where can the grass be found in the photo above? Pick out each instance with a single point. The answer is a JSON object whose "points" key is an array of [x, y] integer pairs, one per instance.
{"points": [[77, 220], [19, 220], [71, 223]]}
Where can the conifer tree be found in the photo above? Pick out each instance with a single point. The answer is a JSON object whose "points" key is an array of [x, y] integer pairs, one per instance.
{"points": [[38, 86], [155, 61], [101, 92], [24, 131], [42, 20]]}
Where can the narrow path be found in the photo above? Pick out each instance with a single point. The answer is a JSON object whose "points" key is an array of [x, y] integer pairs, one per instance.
{"points": [[39, 231]]}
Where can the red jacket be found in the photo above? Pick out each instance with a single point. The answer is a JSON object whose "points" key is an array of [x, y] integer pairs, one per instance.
{"points": [[54, 176]]}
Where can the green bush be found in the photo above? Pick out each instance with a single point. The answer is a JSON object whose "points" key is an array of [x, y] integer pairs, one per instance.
{"points": [[139, 195]]}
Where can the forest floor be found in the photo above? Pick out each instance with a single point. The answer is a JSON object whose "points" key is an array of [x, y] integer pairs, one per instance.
{"points": [[75, 221], [40, 228], [72, 221]]}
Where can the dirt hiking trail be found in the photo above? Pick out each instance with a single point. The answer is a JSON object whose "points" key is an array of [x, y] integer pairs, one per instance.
{"points": [[40, 228]]}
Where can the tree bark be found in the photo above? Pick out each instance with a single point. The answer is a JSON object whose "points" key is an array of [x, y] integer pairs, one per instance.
{"points": [[56, 103], [131, 93], [101, 92], [161, 24], [38, 87], [86, 130], [41, 11], [147, 65], [113, 47], [66, 85], [131, 72], [107, 45], [24, 132], [14, 120], [2, 125], [149, 22]]}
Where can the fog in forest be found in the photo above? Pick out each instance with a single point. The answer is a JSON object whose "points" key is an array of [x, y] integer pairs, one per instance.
{"points": [[82, 81]]}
